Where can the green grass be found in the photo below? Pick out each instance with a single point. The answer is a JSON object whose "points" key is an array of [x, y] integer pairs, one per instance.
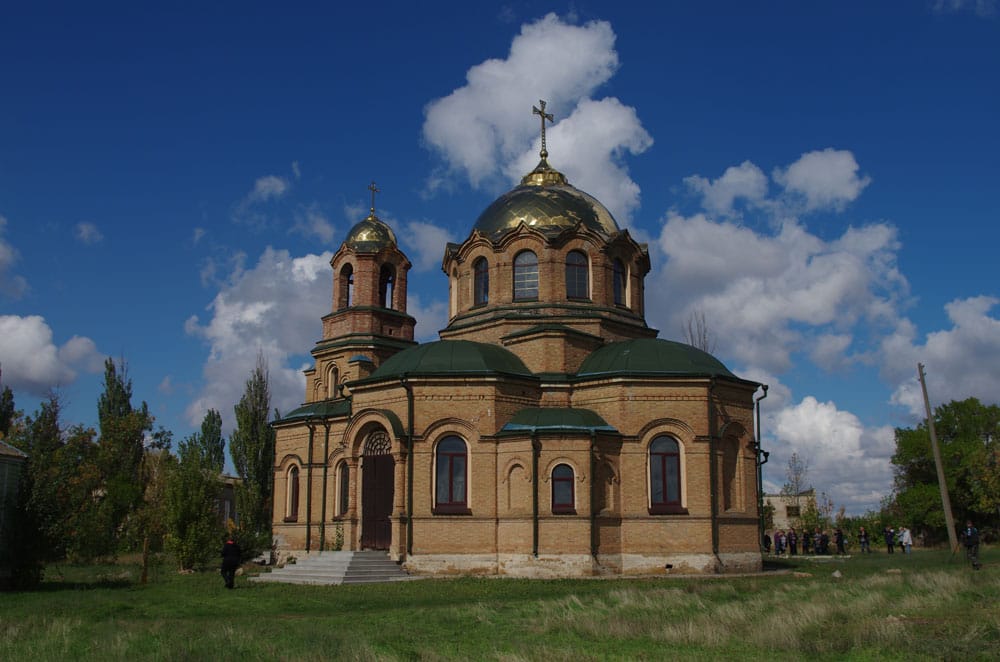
{"points": [[935, 608]]}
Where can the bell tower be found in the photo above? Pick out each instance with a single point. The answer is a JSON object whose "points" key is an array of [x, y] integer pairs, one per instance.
{"points": [[368, 322]]}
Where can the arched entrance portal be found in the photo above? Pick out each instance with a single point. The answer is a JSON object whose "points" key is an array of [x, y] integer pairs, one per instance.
{"points": [[377, 470]]}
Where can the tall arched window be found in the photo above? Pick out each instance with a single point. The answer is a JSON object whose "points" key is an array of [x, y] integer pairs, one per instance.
{"points": [[664, 476], [562, 489], [619, 282], [343, 488], [577, 276], [730, 474], [451, 468], [332, 377], [481, 282], [345, 293], [292, 495], [386, 285], [525, 276]]}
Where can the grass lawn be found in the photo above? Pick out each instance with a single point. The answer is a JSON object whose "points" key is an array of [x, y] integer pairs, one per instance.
{"points": [[936, 607]]}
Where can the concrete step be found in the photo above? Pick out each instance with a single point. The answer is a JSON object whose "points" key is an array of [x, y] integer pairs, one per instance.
{"points": [[338, 568]]}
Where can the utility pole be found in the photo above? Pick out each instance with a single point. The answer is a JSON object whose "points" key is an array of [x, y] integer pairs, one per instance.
{"points": [[945, 501]]}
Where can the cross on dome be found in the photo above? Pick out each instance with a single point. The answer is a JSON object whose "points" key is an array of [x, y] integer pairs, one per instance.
{"points": [[374, 189], [544, 116]]}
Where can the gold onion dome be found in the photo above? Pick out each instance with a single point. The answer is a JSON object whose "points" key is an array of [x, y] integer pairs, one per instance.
{"points": [[371, 234], [546, 201]]}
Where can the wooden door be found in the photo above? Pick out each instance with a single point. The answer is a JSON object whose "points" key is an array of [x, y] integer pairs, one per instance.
{"points": [[377, 496]]}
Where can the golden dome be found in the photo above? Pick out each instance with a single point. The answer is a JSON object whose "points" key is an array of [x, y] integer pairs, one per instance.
{"points": [[545, 200], [370, 235]]}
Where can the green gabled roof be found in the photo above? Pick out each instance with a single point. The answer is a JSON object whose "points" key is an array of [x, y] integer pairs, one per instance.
{"points": [[451, 357], [556, 419], [321, 409], [652, 356]]}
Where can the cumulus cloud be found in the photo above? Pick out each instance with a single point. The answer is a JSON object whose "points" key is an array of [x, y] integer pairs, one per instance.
{"points": [[87, 233], [274, 307], [768, 294], [823, 179], [254, 208], [11, 285], [745, 181], [268, 187], [847, 460], [483, 130], [431, 317], [31, 360], [961, 362], [425, 244], [312, 222]]}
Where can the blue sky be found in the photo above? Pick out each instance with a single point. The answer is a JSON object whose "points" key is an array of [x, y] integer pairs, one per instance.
{"points": [[818, 179]]}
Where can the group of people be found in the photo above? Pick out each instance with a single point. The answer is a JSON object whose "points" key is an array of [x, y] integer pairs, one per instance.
{"points": [[817, 542], [901, 538]]}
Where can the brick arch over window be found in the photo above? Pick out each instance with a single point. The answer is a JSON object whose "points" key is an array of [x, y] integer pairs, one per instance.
{"points": [[345, 287], [666, 475], [563, 480], [292, 494]]}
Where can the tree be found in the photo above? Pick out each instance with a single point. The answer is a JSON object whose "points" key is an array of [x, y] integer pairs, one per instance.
{"points": [[6, 409], [967, 434], [251, 447], [697, 333], [797, 472], [120, 454], [192, 491]]}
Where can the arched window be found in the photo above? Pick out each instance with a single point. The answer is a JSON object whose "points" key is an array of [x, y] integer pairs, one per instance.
{"points": [[481, 282], [292, 495], [525, 276], [332, 377], [386, 285], [562, 489], [665, 476], [451, 465], [345, 293], [343, 489], [730, 474], [619, 282], [577, 276]]}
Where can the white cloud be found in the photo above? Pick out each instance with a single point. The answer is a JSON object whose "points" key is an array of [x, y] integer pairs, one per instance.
{"points": [[268, 187], [32, 362], [824, 179], [425, 244], [483, 129], [296, 170], [981, 8], [830, 350], [846, 460], [11, 285], [197, 235], [274, 307], [961, 362], [312, 222], [745, 181], [430, 318], [88, 233]]}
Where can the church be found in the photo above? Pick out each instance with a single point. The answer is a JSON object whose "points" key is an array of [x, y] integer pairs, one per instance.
{"points": [[547, 433]]}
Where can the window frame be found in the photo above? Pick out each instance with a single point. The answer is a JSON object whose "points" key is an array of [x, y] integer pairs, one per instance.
{"points": [[480, 282], [619, 283], [455, 504], [524, 275], [343, 489], [658, 463], [577, 274], [563, 507], [292, 494]]}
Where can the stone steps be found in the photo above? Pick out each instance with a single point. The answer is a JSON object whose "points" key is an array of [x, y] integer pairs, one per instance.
{"points": [[334, 568]]}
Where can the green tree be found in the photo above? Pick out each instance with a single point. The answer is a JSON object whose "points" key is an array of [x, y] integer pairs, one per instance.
{"points": [[967, 432], [251, 447], [6, 411], [120, 455], [192, 492]]}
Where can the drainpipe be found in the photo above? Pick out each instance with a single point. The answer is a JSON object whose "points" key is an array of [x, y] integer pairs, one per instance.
{"points": [[312, 429], [409, 463], [713, 479], [536, 448], [593, 493], [326, 462], [762, 456]]}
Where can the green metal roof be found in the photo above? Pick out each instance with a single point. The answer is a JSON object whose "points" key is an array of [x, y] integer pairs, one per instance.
{"points": [[451, 357], [556, 419], [652, 356], [321, 409]]}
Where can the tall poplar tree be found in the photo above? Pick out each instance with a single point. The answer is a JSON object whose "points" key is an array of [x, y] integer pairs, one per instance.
{"points": [[251, 447]]}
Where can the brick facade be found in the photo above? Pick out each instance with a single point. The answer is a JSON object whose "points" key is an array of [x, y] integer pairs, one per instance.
{"points": [[508, 522]]}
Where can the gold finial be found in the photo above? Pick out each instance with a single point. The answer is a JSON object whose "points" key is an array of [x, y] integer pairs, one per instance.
{"points": [[374, 189], [544, 116]]}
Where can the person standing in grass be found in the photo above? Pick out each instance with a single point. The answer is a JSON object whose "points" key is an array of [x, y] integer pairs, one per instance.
{"points": [[863, 541], [890, 539], [906, 541], [793, 542], [230, 561], [971, 538]]}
